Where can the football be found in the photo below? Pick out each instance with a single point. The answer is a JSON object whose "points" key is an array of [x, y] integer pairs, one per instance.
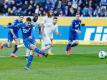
{"points": [[102, 54]]}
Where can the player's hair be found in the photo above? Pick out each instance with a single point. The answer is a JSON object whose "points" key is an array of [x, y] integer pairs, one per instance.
{"points": [[49, 13], [35, 17], [28, 19]]}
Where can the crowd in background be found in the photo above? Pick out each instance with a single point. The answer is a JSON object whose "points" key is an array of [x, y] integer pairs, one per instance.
{"points": [[86, 8]]}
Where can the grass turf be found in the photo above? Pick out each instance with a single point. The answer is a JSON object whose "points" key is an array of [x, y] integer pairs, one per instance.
{"points": [[83, 64]]}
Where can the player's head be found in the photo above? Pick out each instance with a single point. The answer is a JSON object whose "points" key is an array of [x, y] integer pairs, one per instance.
{"points": [[50, 13], [35, 17], [55, 20], [28, 21], [77, 16], [21, 18]]}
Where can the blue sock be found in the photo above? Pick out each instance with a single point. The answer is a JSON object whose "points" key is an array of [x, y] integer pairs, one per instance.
{"points": [[30, 58], [40, 52], [73, 45], [15, 49], [5, 45], [68, 46]]}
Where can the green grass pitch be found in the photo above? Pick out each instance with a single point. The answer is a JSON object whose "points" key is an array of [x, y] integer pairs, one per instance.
{"points": [[82, 64]]}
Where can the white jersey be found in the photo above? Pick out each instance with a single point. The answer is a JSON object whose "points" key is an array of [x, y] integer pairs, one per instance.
{"points": [[50, 28], [48, 32], [48, 19]]}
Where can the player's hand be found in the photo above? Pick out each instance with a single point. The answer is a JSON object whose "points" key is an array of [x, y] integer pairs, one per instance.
{"points": [[14, 37], [58, 34], [78, 31], [30, 37]]}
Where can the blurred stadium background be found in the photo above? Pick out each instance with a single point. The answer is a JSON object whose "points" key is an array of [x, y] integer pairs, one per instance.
{"points": [[93, 15]]}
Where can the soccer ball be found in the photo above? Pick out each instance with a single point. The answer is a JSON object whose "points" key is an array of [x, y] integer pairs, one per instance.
{"points": [[102, 54]]}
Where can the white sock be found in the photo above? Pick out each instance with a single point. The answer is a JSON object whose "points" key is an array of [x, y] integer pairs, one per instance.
{"points": [[28, 52], [22, 45]]}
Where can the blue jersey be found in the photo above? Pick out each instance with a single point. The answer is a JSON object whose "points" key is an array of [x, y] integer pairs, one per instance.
{"points": [[26, 33], [76, 25], [26, 30], [14, 26]]}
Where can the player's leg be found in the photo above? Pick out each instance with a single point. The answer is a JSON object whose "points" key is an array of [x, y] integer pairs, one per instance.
{"points": [[8, 44], [29, 61], [15, 48], [31, 46], [50, 49], [73, 41], [28, 51], [47, 43]]}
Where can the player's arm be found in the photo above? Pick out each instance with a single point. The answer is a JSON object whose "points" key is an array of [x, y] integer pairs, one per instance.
{"points": [[10, 26], [56, 30], [73, 27]]}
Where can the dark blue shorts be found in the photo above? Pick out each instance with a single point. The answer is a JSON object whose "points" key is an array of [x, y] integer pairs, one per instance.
{"points": [[73, 36], [27, 42], [10, 37]]}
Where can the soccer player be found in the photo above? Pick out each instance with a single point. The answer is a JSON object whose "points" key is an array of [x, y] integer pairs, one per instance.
{"points": [[48, 22], [28, 41], [48, 30], [13, 35], [36, 23], [75, 29]]}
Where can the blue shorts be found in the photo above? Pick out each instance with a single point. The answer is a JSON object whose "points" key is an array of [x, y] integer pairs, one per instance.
{"points": [[10, 37], [73, 36], [27, 42]]}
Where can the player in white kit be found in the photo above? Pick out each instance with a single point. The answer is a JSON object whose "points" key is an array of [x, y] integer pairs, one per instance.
{"points": [[48, 30]]}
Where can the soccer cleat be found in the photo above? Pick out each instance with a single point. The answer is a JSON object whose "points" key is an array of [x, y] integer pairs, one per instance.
{"points": [[26, 68], [13, 55], [50, 53], [1, 46], [70, 49], [39, 55], [46, 55], [68, 52]]}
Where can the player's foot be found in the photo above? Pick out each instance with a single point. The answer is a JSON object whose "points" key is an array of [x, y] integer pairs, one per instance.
{"points": [[50, 53], [70, 49], [46, 55], [13, 55], [67, 53], [26, 68], [39, 55], [1, 46]]}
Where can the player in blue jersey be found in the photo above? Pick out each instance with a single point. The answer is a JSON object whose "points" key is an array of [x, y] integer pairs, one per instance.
{"points": [[28, 41], [75, 29], [13, 35]]}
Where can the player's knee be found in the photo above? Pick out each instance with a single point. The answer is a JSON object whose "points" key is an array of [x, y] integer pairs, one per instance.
{"points": [[77, 42]]}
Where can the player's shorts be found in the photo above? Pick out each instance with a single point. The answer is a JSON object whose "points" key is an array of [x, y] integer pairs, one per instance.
{"points": [[73, 37], [27, 42], [10, 37], [46, 40]]}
